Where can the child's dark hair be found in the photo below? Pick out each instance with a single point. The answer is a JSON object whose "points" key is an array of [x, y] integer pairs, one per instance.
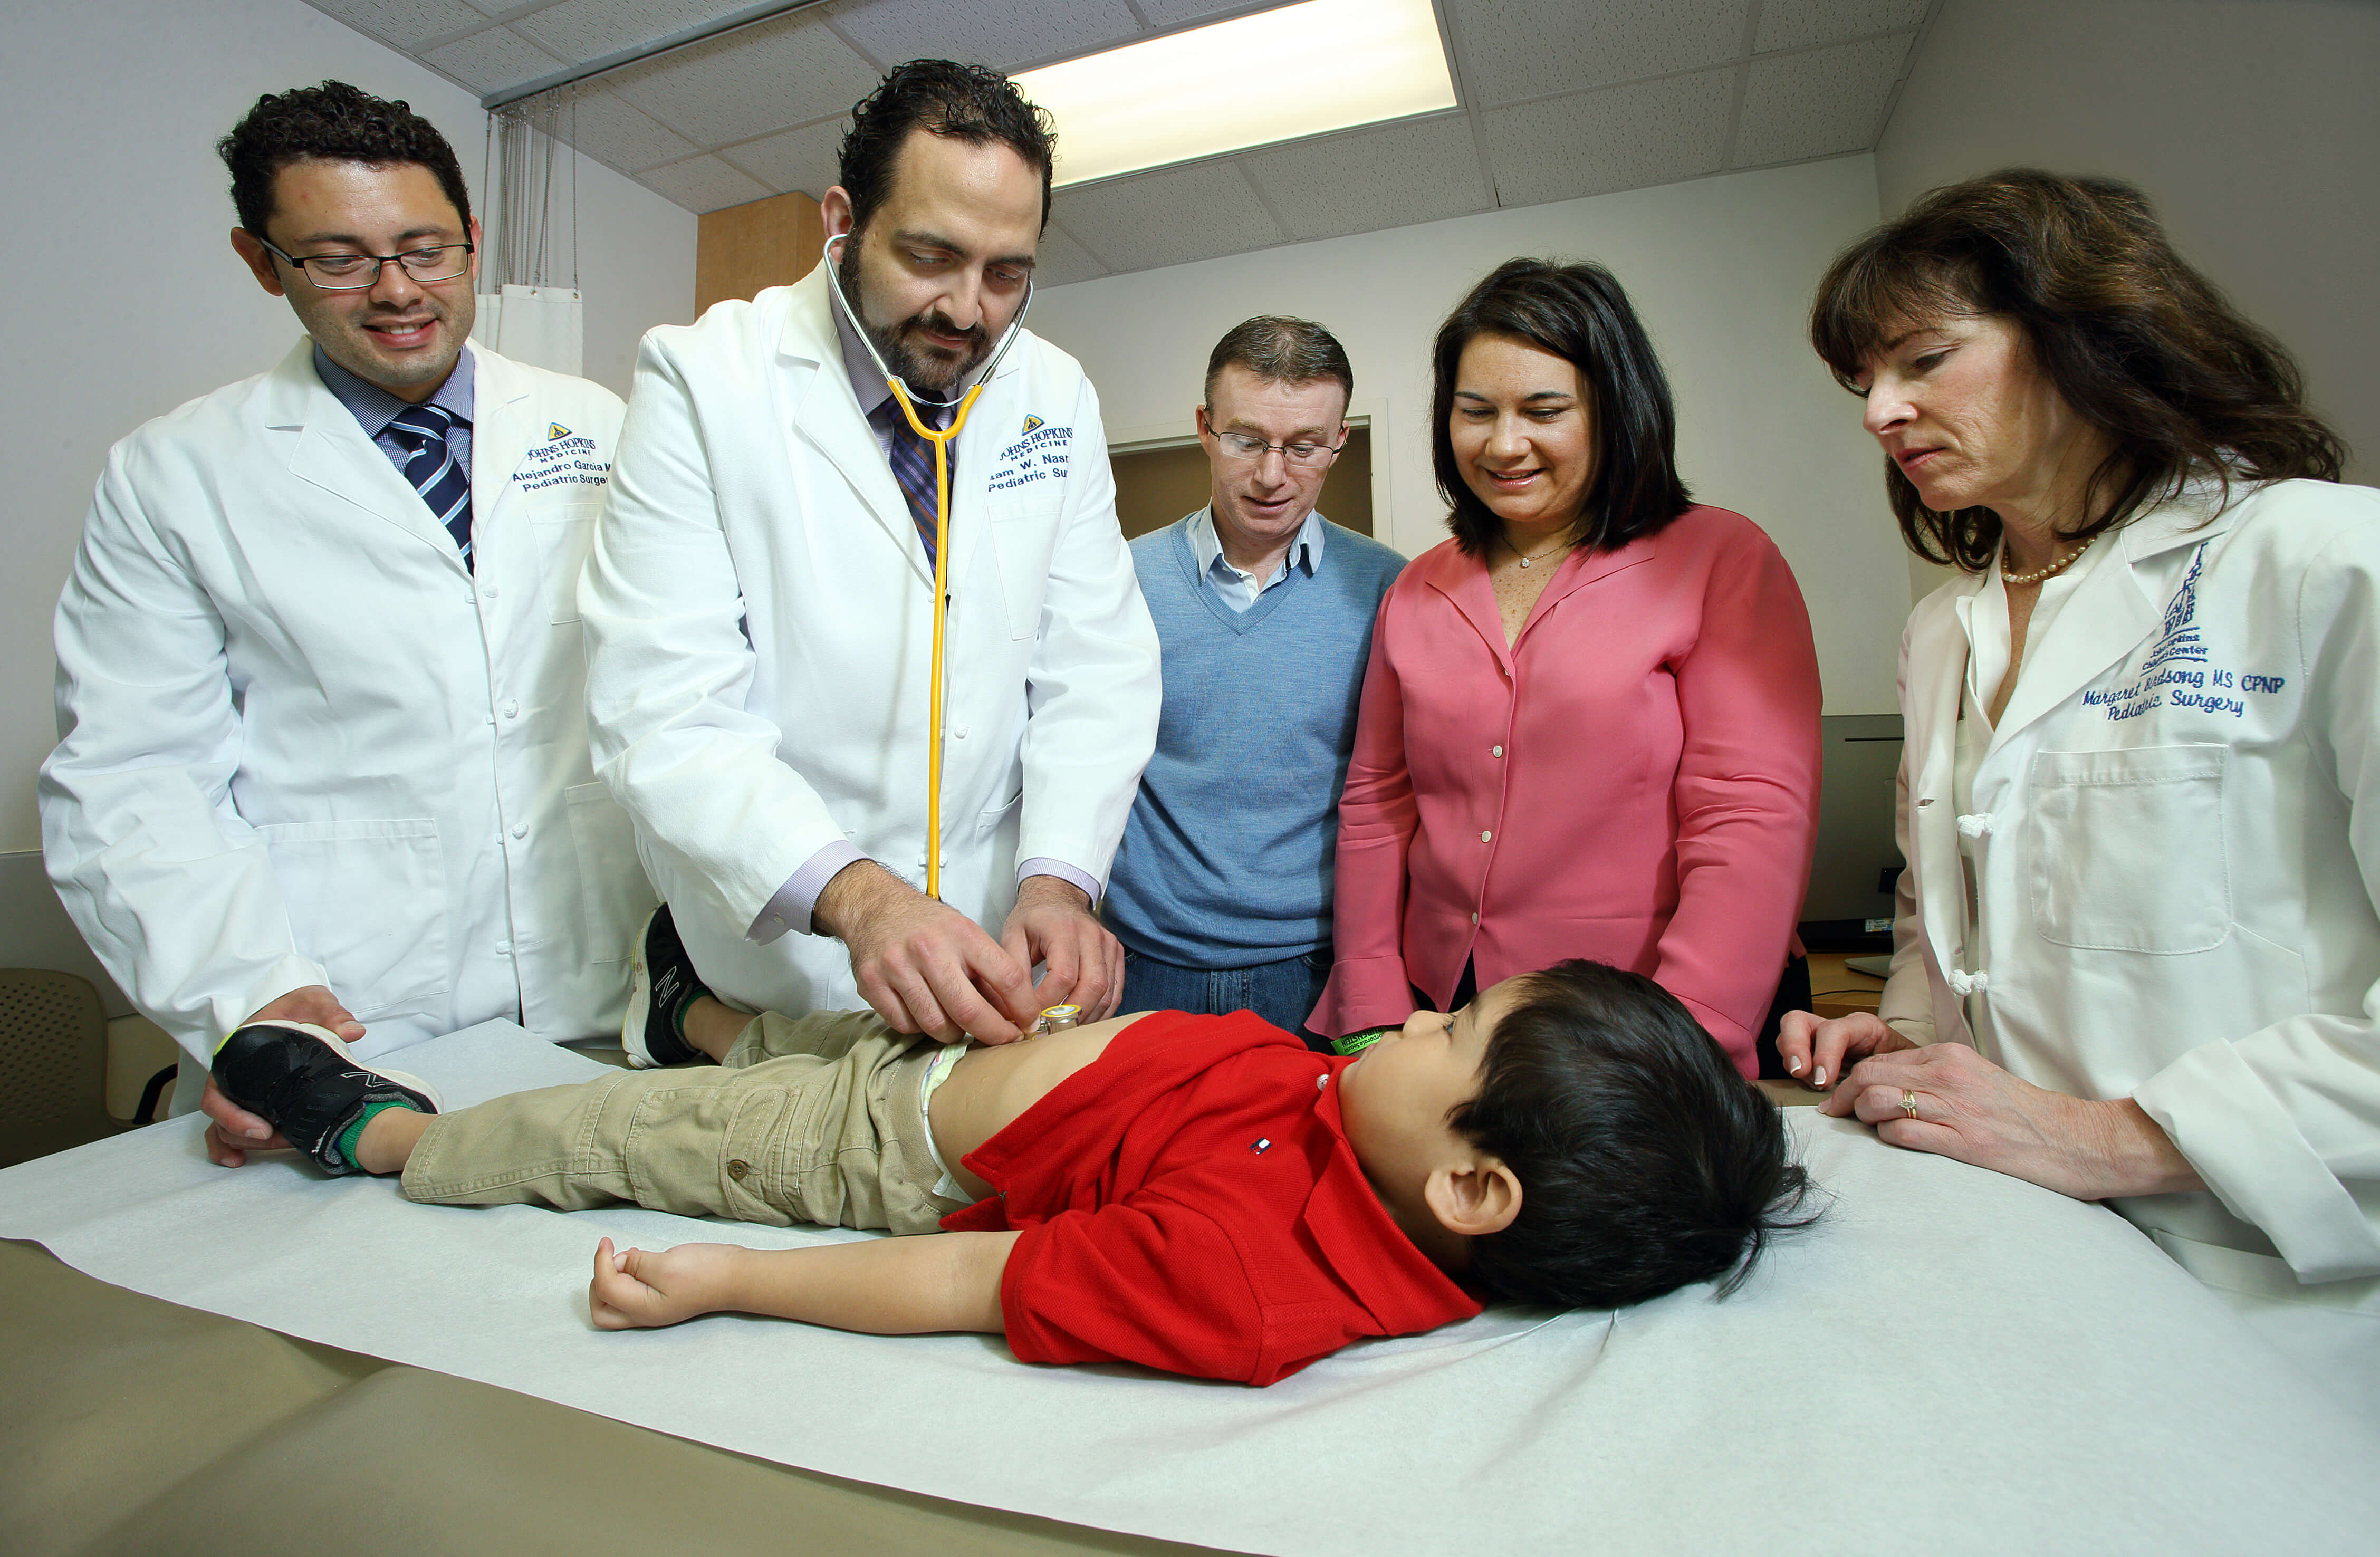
{"points": [[1646, 1160], [337, 122]]}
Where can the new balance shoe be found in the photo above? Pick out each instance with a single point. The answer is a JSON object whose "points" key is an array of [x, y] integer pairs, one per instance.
{"points": [[661, 984], [307, 1084]]}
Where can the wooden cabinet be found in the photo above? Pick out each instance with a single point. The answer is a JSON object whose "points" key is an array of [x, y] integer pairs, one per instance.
{"points": [[762, 243]]}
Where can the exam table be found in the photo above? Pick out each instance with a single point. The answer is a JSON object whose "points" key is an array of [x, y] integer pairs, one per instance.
{"points": [[1951, 1362]]}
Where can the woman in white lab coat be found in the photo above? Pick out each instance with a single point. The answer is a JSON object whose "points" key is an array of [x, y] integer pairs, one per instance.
{"points": [[2137, 957]]}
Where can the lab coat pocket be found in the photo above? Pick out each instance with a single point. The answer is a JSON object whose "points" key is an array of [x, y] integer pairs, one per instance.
{"points": [[1022, 536], [612, 895], [565, 534], [2125, 849], [368, 901]]}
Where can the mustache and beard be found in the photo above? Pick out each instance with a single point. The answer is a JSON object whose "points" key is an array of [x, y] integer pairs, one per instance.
{"points": [[929, 369]]}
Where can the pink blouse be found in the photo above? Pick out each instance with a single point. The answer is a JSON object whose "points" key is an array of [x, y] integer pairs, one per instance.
{"points": [[1634, 780]]}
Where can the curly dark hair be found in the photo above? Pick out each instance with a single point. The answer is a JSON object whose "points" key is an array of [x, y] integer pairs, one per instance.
{"points": [[334, 121], [1646, 1160], [965, 103], [2141, 345], [1581, 313]]}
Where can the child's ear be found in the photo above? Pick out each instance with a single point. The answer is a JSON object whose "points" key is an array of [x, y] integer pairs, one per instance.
{"points": [[1474, 1197]]}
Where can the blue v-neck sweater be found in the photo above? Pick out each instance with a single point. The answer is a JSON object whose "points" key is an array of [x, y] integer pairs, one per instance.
{"points": [[1226, 858]]}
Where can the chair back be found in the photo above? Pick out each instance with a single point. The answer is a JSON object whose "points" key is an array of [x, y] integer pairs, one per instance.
{"points": [[53, 1063]]}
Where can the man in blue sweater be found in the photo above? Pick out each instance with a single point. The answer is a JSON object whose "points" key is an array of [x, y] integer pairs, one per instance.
{"points": [[1220, 892]]}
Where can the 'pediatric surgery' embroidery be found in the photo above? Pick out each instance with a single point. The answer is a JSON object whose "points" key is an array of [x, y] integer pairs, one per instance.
{"points": [[2178, 670]]}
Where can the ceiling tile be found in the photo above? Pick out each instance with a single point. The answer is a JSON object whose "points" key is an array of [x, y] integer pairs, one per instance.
{"points": [[495, 7], [1819, 103], [1002, 36], [1063, 259], [1513, 50], [618, 135], [585, 29], [1169, 218], [1620, 138], [749, 82], [402, 22], [489, 61], [702, 184], [1419, 171], [1790, 24], [807, 159], [1174, 13]]}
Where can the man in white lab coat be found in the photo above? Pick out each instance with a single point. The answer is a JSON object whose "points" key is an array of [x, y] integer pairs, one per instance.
{"points": [[321, 686], [760, 605]]}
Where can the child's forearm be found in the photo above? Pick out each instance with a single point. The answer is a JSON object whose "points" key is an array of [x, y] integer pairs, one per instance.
{"points": [[884, 1286]]}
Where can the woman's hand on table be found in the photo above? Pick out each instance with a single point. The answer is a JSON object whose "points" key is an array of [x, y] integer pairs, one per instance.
{"points": [[1948, 1100], [1817, 1050]]}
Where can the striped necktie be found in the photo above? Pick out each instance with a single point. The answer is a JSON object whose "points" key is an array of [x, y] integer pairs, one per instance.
{"points": [[913, 464], [431, 467]]}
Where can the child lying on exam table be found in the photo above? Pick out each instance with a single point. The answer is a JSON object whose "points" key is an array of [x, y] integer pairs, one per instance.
{"points": [[1197, 1194]]}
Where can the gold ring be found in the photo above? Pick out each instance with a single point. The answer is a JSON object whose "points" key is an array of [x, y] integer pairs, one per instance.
{"points": [[1908, 1102]]}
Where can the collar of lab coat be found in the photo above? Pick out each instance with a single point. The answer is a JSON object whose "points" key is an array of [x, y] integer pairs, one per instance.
{"points": [[326, 446], [2112, 610], [825, 414]]}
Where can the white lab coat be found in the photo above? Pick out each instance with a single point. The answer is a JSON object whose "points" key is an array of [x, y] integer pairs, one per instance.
{"points": [[750, 489], [2179, 855], [302, 744]]}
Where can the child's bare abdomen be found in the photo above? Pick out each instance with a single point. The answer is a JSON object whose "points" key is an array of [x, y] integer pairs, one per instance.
{"points": [[991, 1086]]}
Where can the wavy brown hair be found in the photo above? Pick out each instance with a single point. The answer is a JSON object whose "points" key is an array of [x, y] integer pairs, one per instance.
{"points": [[2141, 345]]}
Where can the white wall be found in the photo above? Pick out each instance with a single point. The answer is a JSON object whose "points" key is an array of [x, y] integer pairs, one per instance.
{"points": [[127, 299], [1720, 269], [2253, 125]]}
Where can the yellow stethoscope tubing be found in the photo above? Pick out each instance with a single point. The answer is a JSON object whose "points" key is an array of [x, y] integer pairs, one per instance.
{"points": [[936, 706], [941, 442]]}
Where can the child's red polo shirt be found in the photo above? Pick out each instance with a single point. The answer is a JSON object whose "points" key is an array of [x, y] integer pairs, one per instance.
{"points": [[1189, 1200]]}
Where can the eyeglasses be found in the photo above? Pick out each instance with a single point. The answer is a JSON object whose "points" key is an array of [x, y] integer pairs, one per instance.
{"points": [[356, 272], [1304, 456]]}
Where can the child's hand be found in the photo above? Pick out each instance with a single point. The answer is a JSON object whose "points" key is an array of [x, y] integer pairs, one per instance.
{"points": [[642, 1288]]}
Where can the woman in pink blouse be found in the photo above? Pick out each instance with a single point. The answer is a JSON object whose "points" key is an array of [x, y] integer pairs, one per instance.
{"points": [[1590, 723]]}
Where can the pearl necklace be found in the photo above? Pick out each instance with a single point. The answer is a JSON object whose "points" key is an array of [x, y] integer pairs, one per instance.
{"points": [[2038, 574]]}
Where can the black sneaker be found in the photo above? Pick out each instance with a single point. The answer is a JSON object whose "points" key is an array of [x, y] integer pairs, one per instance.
{"points": [[304, 1082], [661, 982]]}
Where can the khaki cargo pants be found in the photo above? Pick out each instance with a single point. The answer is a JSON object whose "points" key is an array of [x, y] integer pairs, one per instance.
{"points": [[808, 1119]]}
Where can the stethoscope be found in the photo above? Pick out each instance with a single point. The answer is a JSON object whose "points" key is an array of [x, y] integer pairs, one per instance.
{"points": [[941, 442]]}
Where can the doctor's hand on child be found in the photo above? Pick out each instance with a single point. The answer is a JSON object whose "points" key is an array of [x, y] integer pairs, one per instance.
{"points": [[922, 964], [1082, 962], [234, 1132], [649, 1288]]}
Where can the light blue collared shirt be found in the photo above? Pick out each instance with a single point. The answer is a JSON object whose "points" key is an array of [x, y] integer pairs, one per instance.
{"points": [[1240, 590], [375, 408]]}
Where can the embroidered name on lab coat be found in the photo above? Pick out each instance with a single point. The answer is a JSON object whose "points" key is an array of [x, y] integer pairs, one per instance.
{"points": [[561, 461], [2178, 669], [1040, 455]]}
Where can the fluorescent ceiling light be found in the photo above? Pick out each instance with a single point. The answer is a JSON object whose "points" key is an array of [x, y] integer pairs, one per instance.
{"points": [[1278, 74]]}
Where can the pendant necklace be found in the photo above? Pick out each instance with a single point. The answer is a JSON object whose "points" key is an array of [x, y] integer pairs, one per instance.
{"points": [[1528, 561]]}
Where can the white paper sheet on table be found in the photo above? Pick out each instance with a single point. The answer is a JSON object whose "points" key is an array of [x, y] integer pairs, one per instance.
{"points": [[1953, 1361]]}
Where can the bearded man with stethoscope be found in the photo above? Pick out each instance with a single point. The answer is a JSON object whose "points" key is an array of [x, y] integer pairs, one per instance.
{"points": [[764, 654]]}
